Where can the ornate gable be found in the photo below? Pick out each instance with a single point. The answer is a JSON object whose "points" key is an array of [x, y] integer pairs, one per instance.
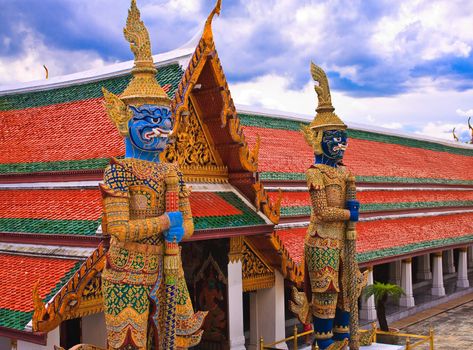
{"points": [[203, 104]]}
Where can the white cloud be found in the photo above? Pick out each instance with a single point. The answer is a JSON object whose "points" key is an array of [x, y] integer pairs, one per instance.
{"points": [[429, 112], [393, 125], [462, 113], [445, 131], [28, 65]]}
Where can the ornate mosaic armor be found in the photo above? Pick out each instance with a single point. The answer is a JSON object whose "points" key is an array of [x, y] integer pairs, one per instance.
{"points": [[329, 248], [134, 207], [146, 213]]}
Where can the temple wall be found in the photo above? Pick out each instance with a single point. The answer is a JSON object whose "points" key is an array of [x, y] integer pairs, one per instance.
{"points": [[93, 330]]}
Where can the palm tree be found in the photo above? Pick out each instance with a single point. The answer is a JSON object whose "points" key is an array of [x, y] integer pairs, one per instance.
{"points": [[381, 292]]}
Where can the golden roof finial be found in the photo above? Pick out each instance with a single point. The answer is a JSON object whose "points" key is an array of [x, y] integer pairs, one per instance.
{"points": [[46, 71], [454, 135], [471, 128], [208, 35]]}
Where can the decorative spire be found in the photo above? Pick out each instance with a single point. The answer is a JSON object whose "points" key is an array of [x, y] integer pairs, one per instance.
{"points": [[208, 35], [325, 119], [137, 35], [143, 88], [322, 89]]}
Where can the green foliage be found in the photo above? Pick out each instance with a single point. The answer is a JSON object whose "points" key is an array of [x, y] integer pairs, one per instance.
{"points": [[381, 291]]}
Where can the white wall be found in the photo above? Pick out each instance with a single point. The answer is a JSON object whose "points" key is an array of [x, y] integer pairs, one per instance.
{"points": [[93, 330], [53, 339], [5, 343]]}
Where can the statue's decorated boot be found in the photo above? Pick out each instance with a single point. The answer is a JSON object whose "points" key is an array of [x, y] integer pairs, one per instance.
{"points": [[323, 332], [341, 331]]}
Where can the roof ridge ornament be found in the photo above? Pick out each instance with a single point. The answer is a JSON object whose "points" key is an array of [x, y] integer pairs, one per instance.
{"points": [[208, 35]]}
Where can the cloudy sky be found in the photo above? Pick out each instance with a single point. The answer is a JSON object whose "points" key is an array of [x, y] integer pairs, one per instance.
{"points": [[404, 64]]}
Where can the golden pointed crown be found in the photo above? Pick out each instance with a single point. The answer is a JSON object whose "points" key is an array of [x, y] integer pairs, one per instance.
{"points": [[325, 119], [143, 87]]}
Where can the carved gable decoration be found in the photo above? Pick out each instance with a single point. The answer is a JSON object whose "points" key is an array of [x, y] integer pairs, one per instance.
{"points": [[194, 152], [80, 296], [257, 274]]}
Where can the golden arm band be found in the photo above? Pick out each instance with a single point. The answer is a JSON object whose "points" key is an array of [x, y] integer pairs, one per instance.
{"points": [[120, 226], [325, 213], [185, 209]]}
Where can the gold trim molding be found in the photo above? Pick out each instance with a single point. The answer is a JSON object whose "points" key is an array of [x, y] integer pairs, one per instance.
{"points": [[257, 274], [80, 296]]}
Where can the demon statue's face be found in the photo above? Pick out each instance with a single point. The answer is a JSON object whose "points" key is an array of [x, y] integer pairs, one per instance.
{"points": [[150, 127], [334, 143]]}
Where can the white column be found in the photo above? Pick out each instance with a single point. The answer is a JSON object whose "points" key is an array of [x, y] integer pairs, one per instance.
{"points": [[437, 280], [407, 300], [423, 270], [395, 272], [449, 263], [368, 307], [94, 331], [462, 280], [470, 257], [235, 306], [52, 340], [267, 317]]}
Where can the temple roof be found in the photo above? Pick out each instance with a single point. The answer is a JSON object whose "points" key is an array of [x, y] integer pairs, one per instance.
{"points": [[16, 302], [416, 192]]}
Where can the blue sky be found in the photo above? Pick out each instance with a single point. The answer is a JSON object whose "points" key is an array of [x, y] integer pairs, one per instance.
{"points": [[405, 64]]}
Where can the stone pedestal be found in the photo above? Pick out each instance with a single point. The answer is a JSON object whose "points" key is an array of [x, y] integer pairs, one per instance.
{"points": [[462, 280], [235, 306], [449, 263], [437, 280], [423, 271], [267, 318], [368, 307], [407, 300]]}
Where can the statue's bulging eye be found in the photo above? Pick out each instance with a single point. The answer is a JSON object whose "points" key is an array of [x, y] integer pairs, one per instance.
{"points": [[156, 120], [337, 139]]}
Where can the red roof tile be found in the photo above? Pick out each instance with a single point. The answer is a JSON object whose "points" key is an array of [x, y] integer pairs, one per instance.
{"points": [[54, 204], [375, 235], [209, 204], [291, 154], [413, 196], [19, 273], [293, 241], [67, 131]]}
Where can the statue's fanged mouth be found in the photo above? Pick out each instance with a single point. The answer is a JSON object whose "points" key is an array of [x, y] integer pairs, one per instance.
{"points": [[156, 132], [339, 147]]}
